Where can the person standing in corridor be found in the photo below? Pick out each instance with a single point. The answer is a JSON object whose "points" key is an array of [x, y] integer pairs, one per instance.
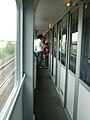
{"points": [[38, 48], [46, 53]]}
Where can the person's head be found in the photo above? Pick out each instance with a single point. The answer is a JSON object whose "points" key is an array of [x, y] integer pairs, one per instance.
{"points": [[40, 36], [46, 42]]}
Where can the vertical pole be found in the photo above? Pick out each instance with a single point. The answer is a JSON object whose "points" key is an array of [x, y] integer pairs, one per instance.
{"points": [[28, 60]]}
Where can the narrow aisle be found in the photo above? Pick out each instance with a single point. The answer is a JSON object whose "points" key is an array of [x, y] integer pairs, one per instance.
{"points": [[47, 103]]}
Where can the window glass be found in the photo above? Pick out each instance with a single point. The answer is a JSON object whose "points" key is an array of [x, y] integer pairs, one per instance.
{"points": [[60, 28], [8, 12], [64, 39], [7, 90], [47, 37], [85, 46], [73, 41], [55, 40], [52, 41]]}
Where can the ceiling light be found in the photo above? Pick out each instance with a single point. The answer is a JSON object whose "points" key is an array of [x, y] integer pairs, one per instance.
{"points": [[68, 2], [50, 25]]}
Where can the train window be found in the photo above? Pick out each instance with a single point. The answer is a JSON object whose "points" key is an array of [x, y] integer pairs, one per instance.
{"points": [[55, 40], [73, 41], [52, 37], [8, 26], [60, 26], [85, 46], [64, 39], [51, 41]]}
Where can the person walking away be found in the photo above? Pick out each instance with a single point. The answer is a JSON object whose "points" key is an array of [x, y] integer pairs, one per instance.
{"points": [[38, 48]]}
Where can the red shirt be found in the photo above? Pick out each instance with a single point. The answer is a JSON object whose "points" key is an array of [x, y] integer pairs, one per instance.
{"points": [[46, 50]]}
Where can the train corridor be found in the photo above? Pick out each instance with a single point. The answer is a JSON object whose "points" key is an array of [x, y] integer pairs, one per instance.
{"points": [[47, 103]]}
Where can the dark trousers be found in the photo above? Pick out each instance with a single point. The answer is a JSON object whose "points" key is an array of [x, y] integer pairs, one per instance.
{"points": [[46, 60]]}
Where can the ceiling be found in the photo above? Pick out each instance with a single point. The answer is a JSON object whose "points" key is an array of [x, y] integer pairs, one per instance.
{"points": [[48, 11]]}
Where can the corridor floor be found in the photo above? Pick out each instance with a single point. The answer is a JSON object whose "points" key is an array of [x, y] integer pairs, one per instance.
{"points": [[47, 103]]}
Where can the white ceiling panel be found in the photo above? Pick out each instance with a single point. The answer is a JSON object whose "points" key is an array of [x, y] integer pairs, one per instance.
{"points": [[47, 11]]}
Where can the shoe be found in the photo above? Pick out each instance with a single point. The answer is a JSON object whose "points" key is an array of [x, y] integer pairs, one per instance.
{"points": [[40, 67]]}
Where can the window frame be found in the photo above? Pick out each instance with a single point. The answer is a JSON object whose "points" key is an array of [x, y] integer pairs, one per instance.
{"points": [[81, 81], [70, 39], [9, 104]]}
